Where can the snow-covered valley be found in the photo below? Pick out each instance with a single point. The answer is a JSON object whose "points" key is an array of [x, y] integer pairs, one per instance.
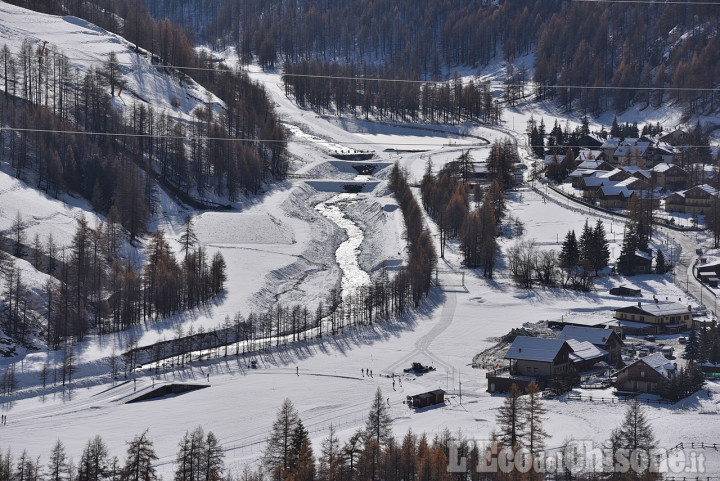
{"points": [[293, 245]]}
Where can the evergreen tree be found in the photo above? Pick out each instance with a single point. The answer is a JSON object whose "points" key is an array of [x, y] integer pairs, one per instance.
{"points": [[601, 249], [635, 432], [570, 252], [631, 244], [378, 423], [586, 247], [299, 438], [188, 238], [692, 347], [660, 264]]}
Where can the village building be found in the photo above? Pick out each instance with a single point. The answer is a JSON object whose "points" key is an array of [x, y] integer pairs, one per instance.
{"points": [[675, 138], [669, 177], [605, 339], [646, 375], [695, 200], [709, 273], [655, 317], [541, 359]]}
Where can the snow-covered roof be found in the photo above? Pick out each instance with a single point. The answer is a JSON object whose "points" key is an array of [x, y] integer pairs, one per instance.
{"points": [[616, 189], [611, 142], [589, 163], [664, 308], [589, 334], [626, 323], [707, 188], [584, 350], [534, 348], [662, 167], [582, 172], [627, 149], [659, 362]]}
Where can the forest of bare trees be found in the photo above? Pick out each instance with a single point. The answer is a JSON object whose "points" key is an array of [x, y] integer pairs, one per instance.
{"points": [[93, 286], [626, 52]]}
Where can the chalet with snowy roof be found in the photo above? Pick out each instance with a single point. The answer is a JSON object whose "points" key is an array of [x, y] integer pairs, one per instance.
{"points": [[589, 179], [669, 176], [585, 355], [695, 200], [538, 356], [646, 375], [593, 164], [541, 359], [631, 152], [663, 153], [657, 317], [605, 339], [675, 138]]}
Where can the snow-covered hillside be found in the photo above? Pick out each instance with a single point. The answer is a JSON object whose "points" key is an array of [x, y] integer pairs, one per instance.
{"points": [[88, 46], [280, 248]]}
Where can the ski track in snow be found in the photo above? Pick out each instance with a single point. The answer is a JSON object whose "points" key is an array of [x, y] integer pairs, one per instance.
{"points": [[422, 345]]}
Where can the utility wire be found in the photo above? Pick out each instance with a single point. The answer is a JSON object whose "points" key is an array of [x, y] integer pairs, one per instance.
{"points": [[496, 83], [299, 141]]}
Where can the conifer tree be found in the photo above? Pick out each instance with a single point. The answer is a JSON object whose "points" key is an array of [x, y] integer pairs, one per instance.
{"points": [[570, 252], [378, 423], [188, 238], [511, 418], [660, 264], [94, 463], [586, 246], [692, 347], [635, 433], [58, 469], [534, 412], [139, 460], [330, 461], [601, 250], [277, 458]]}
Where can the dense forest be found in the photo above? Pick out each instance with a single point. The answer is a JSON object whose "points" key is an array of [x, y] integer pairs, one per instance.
{"points": [[590, 56], [226, 154]]}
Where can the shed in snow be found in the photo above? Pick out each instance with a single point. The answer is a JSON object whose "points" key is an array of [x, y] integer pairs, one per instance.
{"points": [[426, 399]]}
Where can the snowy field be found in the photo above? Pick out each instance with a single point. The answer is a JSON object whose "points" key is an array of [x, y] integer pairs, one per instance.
{"points": [[279, 247]]}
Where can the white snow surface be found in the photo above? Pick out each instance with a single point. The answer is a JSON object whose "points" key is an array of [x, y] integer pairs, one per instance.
{"points": [[278, 247]]}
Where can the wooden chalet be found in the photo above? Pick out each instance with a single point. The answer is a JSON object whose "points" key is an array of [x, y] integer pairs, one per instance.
{"points": [[675, 138], [646, 375], [614, 196], [669, 176], [538, 356], [605, 339], [695, 200], [660, 317], [540, 360]]}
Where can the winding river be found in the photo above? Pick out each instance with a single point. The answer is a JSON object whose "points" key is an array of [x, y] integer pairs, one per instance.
{"points": [[347, 253]]}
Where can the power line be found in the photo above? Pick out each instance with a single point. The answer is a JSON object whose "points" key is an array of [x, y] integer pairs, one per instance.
{"points": [[296, 141], [495, 83]]}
